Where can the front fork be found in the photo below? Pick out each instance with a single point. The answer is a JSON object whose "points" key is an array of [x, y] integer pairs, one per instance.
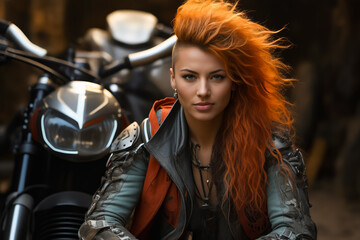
{"points": [[19, 203]]}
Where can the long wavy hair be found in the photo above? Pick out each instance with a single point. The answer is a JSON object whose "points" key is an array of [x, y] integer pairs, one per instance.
{"points": [[257, 107]]}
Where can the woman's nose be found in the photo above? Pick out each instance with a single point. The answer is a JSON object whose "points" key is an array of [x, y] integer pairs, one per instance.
{"points": [[203, 88]]}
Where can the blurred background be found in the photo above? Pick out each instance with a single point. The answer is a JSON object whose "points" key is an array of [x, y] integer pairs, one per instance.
{"points": [[325, 52]]}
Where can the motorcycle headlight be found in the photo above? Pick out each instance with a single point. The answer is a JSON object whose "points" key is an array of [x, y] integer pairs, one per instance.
{"points": [[63, 135]]}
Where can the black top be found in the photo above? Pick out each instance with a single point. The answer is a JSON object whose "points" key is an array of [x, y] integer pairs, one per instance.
{"points": [[208, 223]]}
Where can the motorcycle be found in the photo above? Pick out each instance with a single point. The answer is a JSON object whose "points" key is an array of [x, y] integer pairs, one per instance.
{"points": [[132, 31], [68, 126]]}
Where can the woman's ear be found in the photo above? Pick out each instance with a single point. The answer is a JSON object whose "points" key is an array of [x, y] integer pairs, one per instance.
{"points": [[172, 79]]}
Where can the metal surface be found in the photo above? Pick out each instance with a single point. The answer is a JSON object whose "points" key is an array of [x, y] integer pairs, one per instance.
{"points": [[19, 37], [83, 102], [131, 27], [84, 118], [152, 54]]}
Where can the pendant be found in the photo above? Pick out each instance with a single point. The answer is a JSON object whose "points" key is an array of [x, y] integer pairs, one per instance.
{"points": [[205, 205]]}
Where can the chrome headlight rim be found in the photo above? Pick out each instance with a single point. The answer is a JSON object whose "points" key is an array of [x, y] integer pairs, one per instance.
{"points": [[79, 154]]}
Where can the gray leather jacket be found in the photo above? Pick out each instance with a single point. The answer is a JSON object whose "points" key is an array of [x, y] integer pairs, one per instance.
{"points": [[114, 202]]}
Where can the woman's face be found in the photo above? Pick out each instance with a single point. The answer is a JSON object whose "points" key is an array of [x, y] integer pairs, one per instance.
{"points": [[201, 82]]}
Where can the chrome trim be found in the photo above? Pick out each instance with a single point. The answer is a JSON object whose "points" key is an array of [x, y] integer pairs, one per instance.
{"points": [[75, 152], [152, 54], [19, 37], [46, 80], [70, 100], [146, 130], [14, 222], [48, 143], [112, 135]]}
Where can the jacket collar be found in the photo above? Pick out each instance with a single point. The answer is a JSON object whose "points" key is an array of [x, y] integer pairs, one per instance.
{"points": [[171, 137], [169, 144]]}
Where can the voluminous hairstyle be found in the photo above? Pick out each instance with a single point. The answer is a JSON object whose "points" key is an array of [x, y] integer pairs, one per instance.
{"points": [[257, 108]]}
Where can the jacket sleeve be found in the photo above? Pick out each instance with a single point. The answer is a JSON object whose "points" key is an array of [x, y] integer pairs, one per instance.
{"points": [[120, 189], [287, 200]]}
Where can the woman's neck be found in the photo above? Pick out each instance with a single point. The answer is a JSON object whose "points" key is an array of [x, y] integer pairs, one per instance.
{"points": [[204, 132]]}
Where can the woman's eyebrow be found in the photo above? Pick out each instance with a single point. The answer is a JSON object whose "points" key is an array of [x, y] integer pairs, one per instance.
{"points": [[216, 71], [187, 70]]}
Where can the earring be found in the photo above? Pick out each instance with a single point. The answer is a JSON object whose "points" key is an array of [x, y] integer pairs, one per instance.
{"points": [[175, 94]]}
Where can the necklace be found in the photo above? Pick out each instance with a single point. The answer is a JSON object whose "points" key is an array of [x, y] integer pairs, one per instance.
{"points": [[202, 168]]}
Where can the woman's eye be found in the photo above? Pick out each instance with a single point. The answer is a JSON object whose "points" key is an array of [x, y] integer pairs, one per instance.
{"points": [[188, 77], [218, 77]]}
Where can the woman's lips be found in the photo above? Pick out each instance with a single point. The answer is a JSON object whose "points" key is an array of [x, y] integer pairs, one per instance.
{"points": [[203, 106]]}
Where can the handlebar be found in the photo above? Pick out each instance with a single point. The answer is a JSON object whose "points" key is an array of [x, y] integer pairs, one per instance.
{"points": [[150, 55], [141, 58], [11, 31]]}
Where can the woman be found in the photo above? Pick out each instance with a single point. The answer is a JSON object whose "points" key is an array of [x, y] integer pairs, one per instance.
{"points": [[221, 165]]}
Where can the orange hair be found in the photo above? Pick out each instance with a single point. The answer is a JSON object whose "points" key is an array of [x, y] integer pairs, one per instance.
{"points": [[257, 107]]}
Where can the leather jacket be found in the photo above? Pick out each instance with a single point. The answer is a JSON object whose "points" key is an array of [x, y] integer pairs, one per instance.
{"points": [[109, 216]]}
